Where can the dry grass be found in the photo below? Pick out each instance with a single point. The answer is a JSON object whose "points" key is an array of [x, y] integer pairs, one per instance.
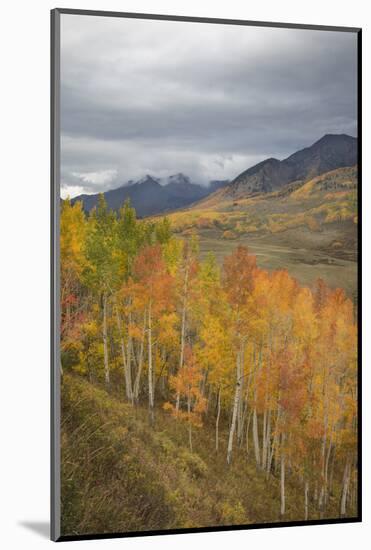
{"points": [[120, 474]]}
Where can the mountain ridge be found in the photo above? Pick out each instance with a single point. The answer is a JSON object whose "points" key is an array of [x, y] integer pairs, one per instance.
{"points": [[328, 153], [150, 195]]}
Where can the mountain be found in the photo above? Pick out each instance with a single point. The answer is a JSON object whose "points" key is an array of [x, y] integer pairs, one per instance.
{"points": [[181, 189], [146, 195], [151, 195], [214, 185], [330, 152]]}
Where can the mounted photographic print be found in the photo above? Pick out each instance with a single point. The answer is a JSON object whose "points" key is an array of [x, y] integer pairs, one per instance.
{"points": [[205, 274]]}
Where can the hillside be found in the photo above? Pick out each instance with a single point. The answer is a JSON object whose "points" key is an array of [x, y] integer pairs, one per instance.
{"points": [[195, 394], [120, 474], [309, 228], [328, 153]]}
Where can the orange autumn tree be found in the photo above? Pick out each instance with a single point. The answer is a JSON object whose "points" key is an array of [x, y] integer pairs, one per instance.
{"points": [[72, 242], [186, 385], [155, 285], [214, 349], [337, 381], [186, 276], [238, 283]]}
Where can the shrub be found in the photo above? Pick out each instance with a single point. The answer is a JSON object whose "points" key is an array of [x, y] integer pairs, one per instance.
{"points": [[232, 514], [195, 465], [229, 234]]}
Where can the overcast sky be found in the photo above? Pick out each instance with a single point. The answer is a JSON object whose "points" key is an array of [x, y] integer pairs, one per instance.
{"points": [[160, 97]]}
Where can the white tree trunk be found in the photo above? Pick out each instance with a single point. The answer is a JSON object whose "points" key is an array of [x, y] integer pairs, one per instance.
{"points": [[255, 429], [267, 442], [256, 437], [128, 387], [128, 366], [150, 365], [235, 409], [247, 432], [283, 497], [344, 495], [240, 403], [264, 440], [326, 484], [217, 422], [332, 468], [140, 361], [105, 343], [354, 494], [274, 444], [306, 490], [321, 498], [189, 422], [182, 331]]}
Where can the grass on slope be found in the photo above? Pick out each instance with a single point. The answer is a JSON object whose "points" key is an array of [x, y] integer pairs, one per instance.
{"points": [[120, 474], [323, 200]]}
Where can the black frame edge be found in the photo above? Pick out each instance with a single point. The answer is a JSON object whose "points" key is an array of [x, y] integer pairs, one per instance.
{"points": [[225, 528], [215, 20], [359, 271]]}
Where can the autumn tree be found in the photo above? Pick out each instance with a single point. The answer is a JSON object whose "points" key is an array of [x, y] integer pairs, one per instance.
{"points": [[156, 287], [186, 384], [103, 265], [72, 257], [238, 282], [186, 274]]}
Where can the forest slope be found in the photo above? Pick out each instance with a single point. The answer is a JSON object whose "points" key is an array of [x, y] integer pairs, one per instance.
{"points": [[121, 474], [198, 352]]}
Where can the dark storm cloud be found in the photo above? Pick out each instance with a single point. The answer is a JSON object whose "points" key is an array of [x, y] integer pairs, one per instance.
{"points": [[208, 100]]}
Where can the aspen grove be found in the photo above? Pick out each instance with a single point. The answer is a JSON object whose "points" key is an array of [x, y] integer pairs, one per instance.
{"points": [[234, 348]]}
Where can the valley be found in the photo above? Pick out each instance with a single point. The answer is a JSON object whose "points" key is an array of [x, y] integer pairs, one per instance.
{"points": [[308, 228], [276, 252], [298, 214]]}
